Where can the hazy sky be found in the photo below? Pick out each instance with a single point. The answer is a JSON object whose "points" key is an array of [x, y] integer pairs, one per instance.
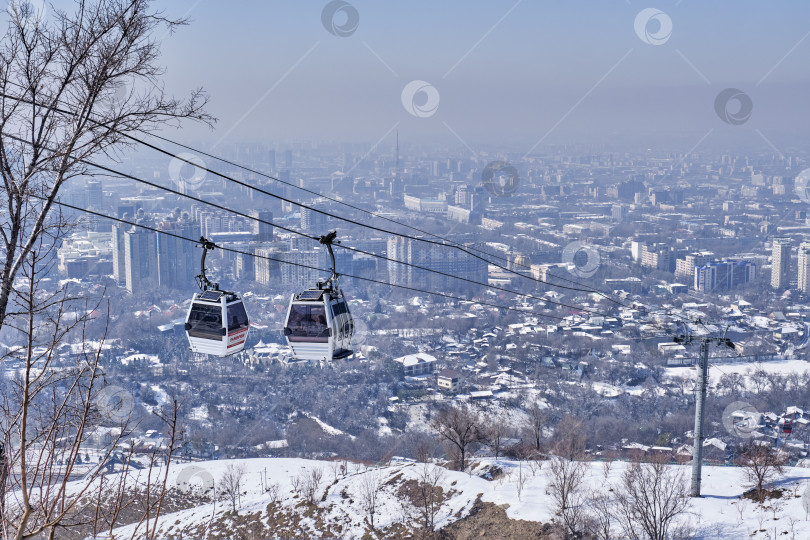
{"points": [[504, 71]]}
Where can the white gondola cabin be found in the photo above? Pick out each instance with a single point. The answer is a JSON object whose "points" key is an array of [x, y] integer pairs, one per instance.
{"points": [[216, 323], [319, 324]]}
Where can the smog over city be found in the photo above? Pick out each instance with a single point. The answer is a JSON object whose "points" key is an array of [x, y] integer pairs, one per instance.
{"points": [[351, 269]]}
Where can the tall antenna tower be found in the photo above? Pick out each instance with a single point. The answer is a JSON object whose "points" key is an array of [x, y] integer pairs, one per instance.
{"points": [[396, 171]]}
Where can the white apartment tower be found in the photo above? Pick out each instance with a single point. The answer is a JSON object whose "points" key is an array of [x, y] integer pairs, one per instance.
{"points": [[804, 267], [780, 267]]}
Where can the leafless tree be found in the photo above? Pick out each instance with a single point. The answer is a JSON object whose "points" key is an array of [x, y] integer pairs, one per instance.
{"points": [[761, 517], [53, 412], [569, 439], [565, 478], [231, 484], [429, 494], [296, 481], [602, 515], [424, 451], [792, 522], [5, 470], [458, 425], [371, 484], [607, 465], [776, 508], [307, 483], [520, 479], [759, 378], [273, 492], [650, 500], [335, 466], [535, 464], [493, 431], [762, 465], [742, 509], [62, 103], [733, 383], [537, 421]]}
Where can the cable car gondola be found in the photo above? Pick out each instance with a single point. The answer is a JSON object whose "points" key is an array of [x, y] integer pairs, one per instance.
{"points": [[216, 323], [319, 324], [787, 427]]}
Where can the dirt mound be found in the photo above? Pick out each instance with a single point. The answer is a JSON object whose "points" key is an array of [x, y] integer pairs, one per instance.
{"points": [[488, 520]]}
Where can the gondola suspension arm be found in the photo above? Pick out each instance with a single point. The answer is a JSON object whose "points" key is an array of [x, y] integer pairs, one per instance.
{"points": [[328, 240]]}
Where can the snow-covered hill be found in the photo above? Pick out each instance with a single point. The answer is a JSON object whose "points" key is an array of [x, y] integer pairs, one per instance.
{"points": [[337, 509]]}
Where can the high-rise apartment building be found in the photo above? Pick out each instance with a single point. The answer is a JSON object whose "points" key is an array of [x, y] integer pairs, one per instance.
{"points": [[724, 276], [140, 256], [298, 275], [804, 267], [312, 221], [262, 229], [266, 270], [245, 268], [270, 267], [177, 260], [658, 257], [780, 266], [451, 262], [685, 268], [95, 195], [118, 254]]}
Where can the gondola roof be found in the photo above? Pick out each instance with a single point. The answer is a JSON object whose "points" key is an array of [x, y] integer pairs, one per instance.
{"points": [[312, 295]]}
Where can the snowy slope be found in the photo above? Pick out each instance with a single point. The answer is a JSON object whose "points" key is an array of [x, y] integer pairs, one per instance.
{"points": [[781, 367], [338, 511]]}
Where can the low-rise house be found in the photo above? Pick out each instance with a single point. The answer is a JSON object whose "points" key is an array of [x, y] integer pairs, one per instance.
{"points": [[448, 380], [635, 451], [417, 364]]}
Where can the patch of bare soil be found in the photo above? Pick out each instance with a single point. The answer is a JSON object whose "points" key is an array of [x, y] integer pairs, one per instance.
{"points": [[754, 495], [488, 520]]}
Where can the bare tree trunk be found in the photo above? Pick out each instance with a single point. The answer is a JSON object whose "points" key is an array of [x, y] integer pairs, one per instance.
{"points": [[650, 499], [49, 412], [459, 426], [73, 62], [370, 488], [565, 484], [430, 495], [761, 464]]}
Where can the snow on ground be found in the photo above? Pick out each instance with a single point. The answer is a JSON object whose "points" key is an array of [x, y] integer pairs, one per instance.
{"points": [[782, 367], [149, 358], [720, 514], [329, 430], [607, 390], [199, 413], [90, 345], [383, 428], [161, 395]]}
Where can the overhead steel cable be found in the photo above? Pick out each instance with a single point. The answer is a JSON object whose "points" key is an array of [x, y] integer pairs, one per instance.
{"points": [[360, 224], [445, 242], [452, 244], [353, 207], [346, 247], [315, 238], [300, 265]]}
